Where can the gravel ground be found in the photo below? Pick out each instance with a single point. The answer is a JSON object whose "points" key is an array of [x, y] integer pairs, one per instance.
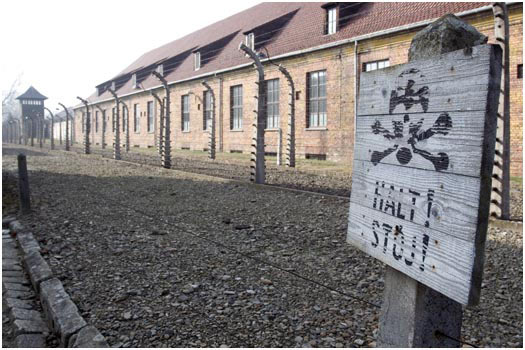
{"points": [[155, 257], [311, 175]]}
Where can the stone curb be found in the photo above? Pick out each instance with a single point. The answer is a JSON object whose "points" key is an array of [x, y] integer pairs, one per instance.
{"points": [[506, 224], [59, 310]]}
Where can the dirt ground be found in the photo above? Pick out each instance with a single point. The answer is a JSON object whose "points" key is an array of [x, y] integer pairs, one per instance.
{"points": [[157, 257]]}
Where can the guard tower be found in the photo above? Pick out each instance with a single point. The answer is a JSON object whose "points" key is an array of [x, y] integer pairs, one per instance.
{"points": [[32, 103]]}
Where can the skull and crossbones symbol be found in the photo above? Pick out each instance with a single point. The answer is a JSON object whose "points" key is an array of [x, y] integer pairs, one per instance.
{"points": [[414, 132]]}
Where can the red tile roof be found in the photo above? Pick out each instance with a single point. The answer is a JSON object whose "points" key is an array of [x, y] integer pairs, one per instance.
{"points": [[303, 28]]}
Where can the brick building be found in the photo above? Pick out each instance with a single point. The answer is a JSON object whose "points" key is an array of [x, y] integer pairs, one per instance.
{"points": [[325, 47]]}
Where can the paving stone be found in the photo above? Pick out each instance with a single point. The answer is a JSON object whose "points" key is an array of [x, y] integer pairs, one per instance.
{"points": [[6, 221], [23, 304], [16, 286], [9, 266], [10, 253], [29, 326], [9, 245], [15, 226], [20, 280], [37, 268], [51, 292], [30, 341], [66, 320], [24, 314], [13, 274], [17, 294], [27, 242], [88, 337]]}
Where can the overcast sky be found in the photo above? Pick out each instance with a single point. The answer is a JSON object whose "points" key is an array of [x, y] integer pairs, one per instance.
{"points": [[65, 48]]}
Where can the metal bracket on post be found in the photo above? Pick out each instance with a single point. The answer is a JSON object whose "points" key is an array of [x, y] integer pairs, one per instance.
{"points": [[500, 198], [257, 153], [166, 144], [211, 141], [290, 133], [116, 146], [67, 126], [87, 149]]}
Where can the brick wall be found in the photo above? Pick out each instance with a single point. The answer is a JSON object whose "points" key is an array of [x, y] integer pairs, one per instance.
{"points": [[336, 139]]}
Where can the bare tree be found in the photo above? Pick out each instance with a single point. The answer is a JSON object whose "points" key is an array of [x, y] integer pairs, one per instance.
{"points": [[9, 103]]}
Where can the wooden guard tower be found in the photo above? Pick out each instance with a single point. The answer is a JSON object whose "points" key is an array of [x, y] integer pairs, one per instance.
{"points": [[32, 103]]}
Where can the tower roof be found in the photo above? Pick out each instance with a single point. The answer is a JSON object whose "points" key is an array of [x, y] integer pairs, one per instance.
{"points": [[31, 94]]}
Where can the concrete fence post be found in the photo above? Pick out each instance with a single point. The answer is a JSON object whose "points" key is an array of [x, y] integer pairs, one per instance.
{"points": [[211, 139], [166, 144], [116, 140], [67, 126], [258, 174], [500, 197], [125, 122], [412, 314], [103, 119], [290, 132], [87, 130], [161, 124], [23, 185]]}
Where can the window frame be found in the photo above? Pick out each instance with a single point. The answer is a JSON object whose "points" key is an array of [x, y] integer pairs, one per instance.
{"points": [[317, 99], [385, 62], [272, 104], [331, 25], [185, 113], [136, 118], [236, 107], [197, 60], [150, 113]]}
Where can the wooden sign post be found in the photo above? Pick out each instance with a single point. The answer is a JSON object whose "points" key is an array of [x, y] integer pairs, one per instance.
{"points": [[421, 182]]}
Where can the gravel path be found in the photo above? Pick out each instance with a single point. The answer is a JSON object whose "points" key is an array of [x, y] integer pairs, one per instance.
{"points": [[156, 257], [311, 175]]}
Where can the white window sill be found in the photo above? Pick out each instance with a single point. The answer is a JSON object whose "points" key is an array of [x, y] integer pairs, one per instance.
{"points": [[236, 130], [186, 131], [316, 129], [271, 129]]}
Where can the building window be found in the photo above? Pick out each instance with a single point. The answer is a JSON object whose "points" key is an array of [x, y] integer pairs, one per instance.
{"points": [[250, 40], [197, 56], [151, 116], [136, 118], [96, 122], [520, 71], [207, 110], [316, 99], [331, 22], [185, 111], [272, 104], [370, 66], [134, 81], [236, 107], [160, 69]]}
